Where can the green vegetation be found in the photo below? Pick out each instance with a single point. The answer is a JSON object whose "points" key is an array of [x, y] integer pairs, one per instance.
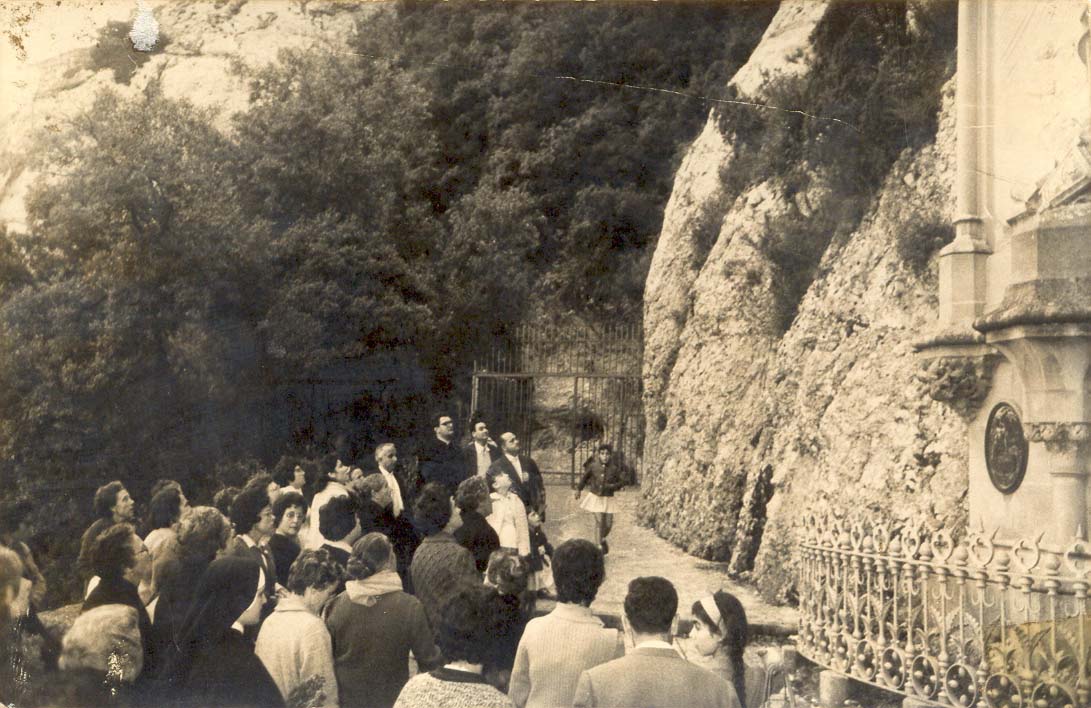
{"points": [[373, 217]]}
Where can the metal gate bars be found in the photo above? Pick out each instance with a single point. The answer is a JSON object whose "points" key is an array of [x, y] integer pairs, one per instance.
{"points": [[564, 390]]}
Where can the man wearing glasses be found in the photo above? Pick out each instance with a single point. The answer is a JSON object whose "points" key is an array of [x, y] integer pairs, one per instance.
{"points": [[440, 458]]}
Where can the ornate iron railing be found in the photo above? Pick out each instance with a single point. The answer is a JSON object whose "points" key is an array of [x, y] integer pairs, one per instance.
{"points": [[979, 622]]}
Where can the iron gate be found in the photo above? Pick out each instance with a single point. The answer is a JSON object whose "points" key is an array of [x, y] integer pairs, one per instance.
{"points": [[564, 391]]}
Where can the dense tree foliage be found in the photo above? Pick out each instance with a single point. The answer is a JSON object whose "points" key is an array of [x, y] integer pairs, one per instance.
{"points": [[375, 215]]}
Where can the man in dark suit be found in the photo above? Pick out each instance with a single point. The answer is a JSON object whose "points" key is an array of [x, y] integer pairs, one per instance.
{"points": [[481, 451], [653, 673], [526, 479], [440, 459], [403, 536]]}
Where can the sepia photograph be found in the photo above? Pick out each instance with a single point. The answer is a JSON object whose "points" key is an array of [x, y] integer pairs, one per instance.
{"points": [[538, 353]]}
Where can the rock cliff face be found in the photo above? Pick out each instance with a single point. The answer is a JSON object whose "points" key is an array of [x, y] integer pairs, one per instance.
{"points": [[58, 57], [748, 426]]}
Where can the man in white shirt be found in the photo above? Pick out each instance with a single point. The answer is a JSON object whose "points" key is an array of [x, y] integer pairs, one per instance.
{"points": [[386, 455], [653, 674], [481, 452]]}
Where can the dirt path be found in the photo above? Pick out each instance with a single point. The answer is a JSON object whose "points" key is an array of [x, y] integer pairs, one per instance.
{"points": [[637, 551]]}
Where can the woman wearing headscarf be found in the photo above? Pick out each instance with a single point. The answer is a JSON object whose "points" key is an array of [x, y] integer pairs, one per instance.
{"points": [[374, 625], [217, 665]]}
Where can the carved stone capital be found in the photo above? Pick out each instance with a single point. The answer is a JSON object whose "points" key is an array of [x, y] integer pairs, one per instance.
{"points": [[961, 382], [1058, 437]]}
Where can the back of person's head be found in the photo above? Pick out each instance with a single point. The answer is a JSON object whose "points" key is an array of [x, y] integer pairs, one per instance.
{"points": [[165, 508], [161, 484], [284, 470], [106, 498], [313, 569], [432, 509], [202, 533], [12, 516], [337, 518], [107, 640], [578, 571], [507, 572], [469, 625], [371, 484], [471, 494], [259, 480], [224, 498], [370, 554], [225, 590], [246, 509], [112, 552], [284, 502], [650, 604]]}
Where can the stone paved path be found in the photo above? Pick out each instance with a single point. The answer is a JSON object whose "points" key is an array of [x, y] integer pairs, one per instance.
{"points": [[636, 551]]}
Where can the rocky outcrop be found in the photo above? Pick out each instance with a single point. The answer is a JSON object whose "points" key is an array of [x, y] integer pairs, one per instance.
{"points": [[751, 425], [68, 53]]}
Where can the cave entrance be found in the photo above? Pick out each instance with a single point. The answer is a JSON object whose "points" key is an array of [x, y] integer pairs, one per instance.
{"points": [[564, 390]]}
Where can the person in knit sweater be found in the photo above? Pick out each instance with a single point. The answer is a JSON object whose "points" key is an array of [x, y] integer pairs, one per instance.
{"points": [[466, 634], [294, 644], [557, 648], [375, 624], [440, 567]]}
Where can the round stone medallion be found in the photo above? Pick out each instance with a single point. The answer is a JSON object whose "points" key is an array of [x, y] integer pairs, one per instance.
{"points": [[1005, 448]]}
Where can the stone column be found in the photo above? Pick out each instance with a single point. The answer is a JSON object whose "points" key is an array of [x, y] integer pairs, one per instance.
{"points": [[1064, 455], [962, 275]]}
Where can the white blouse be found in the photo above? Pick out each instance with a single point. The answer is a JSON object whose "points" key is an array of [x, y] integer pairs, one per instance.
{"points": [[509, 520]]}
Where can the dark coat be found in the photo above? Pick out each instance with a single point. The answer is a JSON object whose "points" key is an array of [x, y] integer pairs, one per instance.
{"points": [[469, 457], [441, 463], [285, 551], [263, 556], [532, 491], [602, 480], [477, 537], [228, 673]]}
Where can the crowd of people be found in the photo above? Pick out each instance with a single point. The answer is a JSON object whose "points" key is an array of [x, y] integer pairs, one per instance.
{"points": [[335, 587]]}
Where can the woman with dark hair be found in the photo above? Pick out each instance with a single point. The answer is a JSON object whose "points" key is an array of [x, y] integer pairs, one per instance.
{"points": [[602, 477], [440, 567], [476, 534], [326, 487], [720, 630], [557, 648], [374, 625], [120, 560], [165, 509], [466, 635], [289, 511], [216, 665], [202, 533]]}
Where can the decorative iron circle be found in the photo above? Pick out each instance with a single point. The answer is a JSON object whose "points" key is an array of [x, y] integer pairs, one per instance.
{"points": [[865, 660], [892, 669], [1005, 448], [924, 676], [1052, 695], [1002, 691], [960, 685]]}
